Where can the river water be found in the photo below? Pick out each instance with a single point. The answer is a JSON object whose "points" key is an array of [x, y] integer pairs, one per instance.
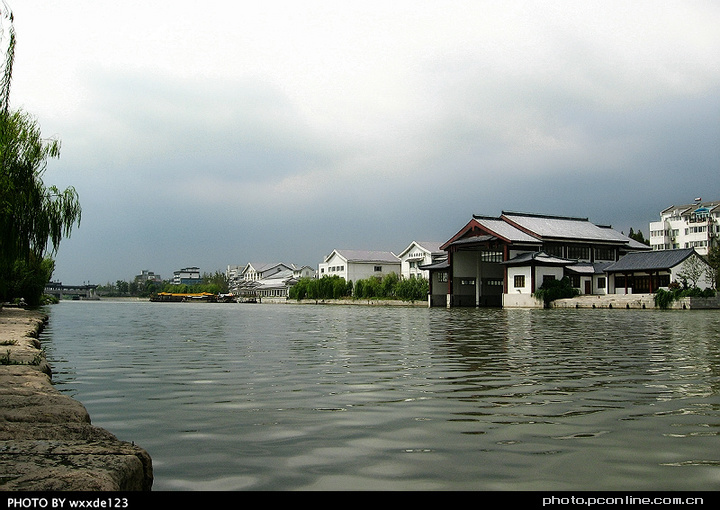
{"points": [[304, 397]]}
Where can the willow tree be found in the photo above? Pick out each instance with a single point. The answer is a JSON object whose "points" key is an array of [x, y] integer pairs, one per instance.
{"points": [[33, 218]]}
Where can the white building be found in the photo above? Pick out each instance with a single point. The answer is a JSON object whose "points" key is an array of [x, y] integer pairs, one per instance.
{"points": [[303, 272], [259, 280], [419, 254], [187, 276], [147, 276], [354, 265], [503, 261], [275, 285], [257, 271], [687, 226], [649, 271]]}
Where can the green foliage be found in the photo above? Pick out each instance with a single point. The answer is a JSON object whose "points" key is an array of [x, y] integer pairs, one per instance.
{"points": [[327, 287], [391, 286], [638, 236], [556, 289], [713, 259], [198, 288], [412, 289], [665, 298], [219, 280], [28, 278], [33, 218]]}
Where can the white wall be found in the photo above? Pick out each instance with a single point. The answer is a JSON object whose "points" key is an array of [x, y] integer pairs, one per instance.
{"points": [[519, 271], [354, 271], [702, 283], [406, 271], [335, 265], [364, 270]]}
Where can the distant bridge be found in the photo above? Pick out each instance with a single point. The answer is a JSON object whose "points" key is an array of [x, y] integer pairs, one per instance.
{"points": [[73, 291]]}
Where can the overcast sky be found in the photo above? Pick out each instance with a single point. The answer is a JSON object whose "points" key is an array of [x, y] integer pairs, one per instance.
{"points": [[219, 133]]}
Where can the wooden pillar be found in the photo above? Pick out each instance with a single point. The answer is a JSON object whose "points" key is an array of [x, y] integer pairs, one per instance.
{"points": [[505, 269], [627, 276], [449, 298], [532, 279]]}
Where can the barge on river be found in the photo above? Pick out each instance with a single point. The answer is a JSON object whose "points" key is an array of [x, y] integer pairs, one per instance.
{"points": [[202, 297]]}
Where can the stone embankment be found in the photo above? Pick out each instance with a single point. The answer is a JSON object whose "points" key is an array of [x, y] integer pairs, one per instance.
{"points": [[47, 441], [635, 301]]}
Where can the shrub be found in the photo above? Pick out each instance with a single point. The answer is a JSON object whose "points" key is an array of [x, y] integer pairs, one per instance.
{"points": [[556, 289], [327, 287], [664, 298], [412, 289]]}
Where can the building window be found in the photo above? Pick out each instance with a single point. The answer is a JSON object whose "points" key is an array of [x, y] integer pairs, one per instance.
{"points": [[601, 283], [519, 281], [604, 254], [443, 277], [378, 269], [491, 256], [469, 281], [578, 252], [556, 250]]}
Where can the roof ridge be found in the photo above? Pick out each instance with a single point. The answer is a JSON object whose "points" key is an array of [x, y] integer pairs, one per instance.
{"points": [[539, 215]]}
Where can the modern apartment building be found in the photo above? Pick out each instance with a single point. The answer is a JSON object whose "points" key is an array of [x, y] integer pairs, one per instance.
{"points": [[694, 225], [187, 276]]}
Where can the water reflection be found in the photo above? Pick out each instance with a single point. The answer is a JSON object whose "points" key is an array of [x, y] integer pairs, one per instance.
{"points": [[239, 397]]}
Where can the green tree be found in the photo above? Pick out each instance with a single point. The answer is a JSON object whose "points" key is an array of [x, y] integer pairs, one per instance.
{"points": [[33, 218], [638, 236], [122, 287], [553, 289], [327, 287], [29, 277], [217, 280], [388, 284], [713, 259], [412, 289]]}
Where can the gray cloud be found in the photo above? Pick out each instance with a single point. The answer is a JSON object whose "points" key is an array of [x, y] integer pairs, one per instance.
{"points": [[280, 132]]}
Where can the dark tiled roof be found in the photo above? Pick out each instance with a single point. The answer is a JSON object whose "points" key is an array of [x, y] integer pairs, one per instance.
{"points": [[587, 268], [439, 264], [366, 256], [473, 239], [563, 228], [538, 257], [657, 259]]}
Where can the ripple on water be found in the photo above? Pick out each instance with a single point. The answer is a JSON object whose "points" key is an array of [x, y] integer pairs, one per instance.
{"points": [[295, 397]]}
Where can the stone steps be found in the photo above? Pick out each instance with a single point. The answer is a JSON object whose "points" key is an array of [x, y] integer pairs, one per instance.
{"points": [[637, 301]]}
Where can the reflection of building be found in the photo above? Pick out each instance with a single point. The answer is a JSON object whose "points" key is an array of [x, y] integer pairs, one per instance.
{"points": [[687, 226], [187, 276], [496, 261]]}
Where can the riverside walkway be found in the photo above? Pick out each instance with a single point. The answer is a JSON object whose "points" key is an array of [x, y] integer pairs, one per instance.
{"points": [[47, 441]]}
